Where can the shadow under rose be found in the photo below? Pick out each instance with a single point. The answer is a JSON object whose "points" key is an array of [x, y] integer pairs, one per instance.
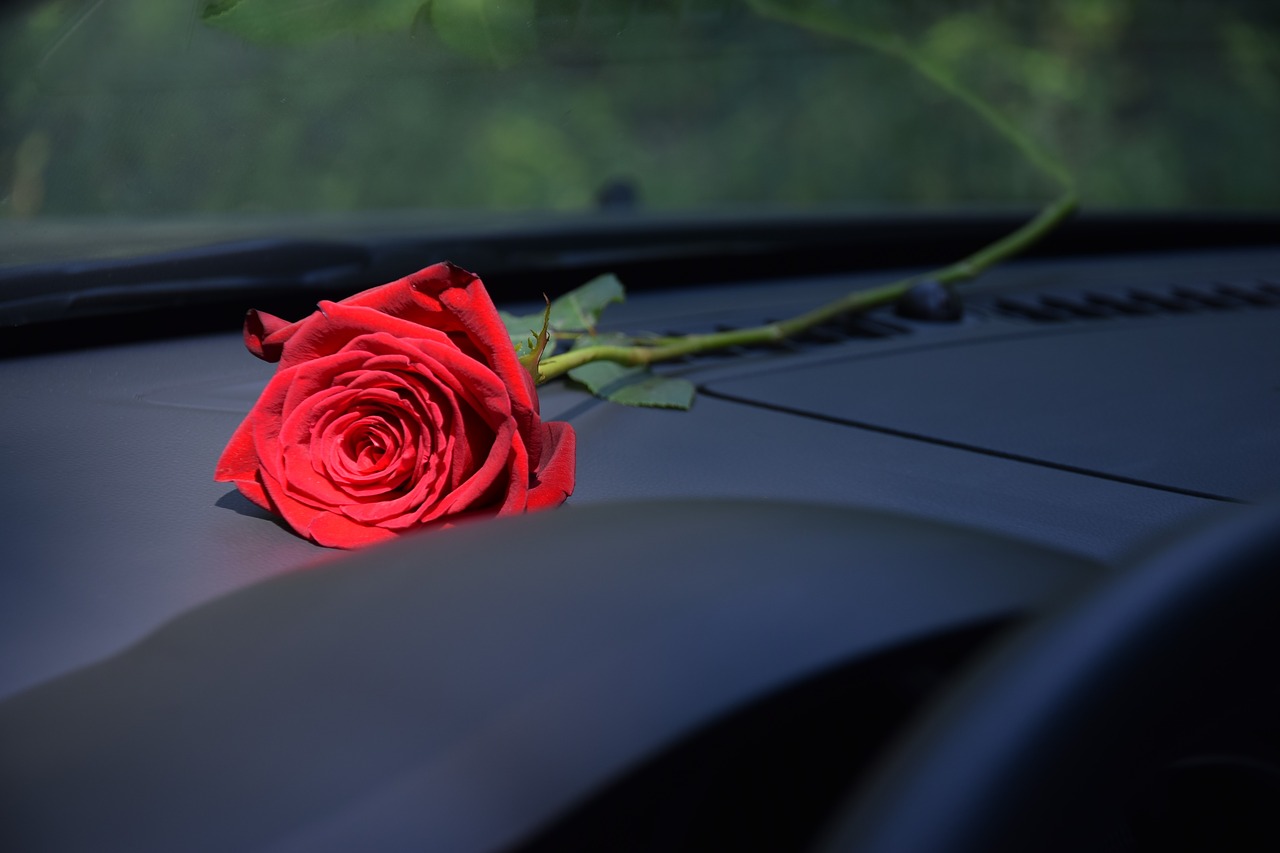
{"points": [[238, 503]]}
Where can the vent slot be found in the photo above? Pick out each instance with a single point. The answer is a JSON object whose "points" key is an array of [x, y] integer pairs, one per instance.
{"points": [[1139, 302], [839, 331], [850, 328]]}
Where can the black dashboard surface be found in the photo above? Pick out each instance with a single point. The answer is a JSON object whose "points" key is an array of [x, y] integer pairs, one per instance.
{"points": [[878, 482], [1087, 398], [1087, 433], [453, 697]]}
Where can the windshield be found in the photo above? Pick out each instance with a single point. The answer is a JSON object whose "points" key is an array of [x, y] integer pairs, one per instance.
{"points": [[239, 117]]}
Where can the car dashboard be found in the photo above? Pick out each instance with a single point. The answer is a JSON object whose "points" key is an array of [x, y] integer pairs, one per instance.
{"points": [[740, 607]]}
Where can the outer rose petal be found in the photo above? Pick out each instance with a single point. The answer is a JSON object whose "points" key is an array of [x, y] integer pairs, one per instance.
{"points": [[337, 531], [264, 334], [321, 526], [463, 304], [440, 326], [240, 464], [555, 476]]}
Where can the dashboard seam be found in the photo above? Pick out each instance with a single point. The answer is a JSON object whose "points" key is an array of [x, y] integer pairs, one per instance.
{"points": [[973, 448]]}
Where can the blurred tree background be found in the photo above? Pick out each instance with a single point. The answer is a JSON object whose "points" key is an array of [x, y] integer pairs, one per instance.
{"points": [[142, 108]]}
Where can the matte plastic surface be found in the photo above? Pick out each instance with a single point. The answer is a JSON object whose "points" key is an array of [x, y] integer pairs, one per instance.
{"points": [[452, 693], [112, 523], [1172, 402]]}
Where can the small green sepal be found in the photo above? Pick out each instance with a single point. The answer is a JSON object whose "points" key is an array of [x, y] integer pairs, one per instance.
{"points": [[536, 345]]}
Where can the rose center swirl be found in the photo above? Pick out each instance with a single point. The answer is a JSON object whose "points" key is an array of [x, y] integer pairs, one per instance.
{"points": [[375, 446]]}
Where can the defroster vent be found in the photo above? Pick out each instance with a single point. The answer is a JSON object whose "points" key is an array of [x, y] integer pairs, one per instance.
{"points": [[1136, 302]]}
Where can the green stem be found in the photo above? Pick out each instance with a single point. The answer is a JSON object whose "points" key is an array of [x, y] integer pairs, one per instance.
{"points": [[825, 21], [859, 300]]}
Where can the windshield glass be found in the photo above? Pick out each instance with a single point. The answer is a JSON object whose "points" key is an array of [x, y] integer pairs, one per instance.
{"points": [[232, 117]]}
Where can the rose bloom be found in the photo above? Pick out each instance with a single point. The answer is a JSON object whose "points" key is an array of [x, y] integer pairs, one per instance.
{"points": [[397, 408]]}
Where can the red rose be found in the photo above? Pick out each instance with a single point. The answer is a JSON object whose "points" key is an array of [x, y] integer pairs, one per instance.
{"points": [[396, 408]]}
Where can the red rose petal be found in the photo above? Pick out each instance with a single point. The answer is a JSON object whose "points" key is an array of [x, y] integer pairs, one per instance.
{"points": [[265, 334], [397, 407], [336, 531], [555, 477], [336, 325], [503, 479]]}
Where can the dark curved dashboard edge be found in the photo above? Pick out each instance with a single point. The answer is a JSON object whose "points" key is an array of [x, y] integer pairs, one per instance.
{"points": [[491, 681]]}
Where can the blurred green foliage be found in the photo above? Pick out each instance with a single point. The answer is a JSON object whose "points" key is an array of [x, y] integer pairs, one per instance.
{"points": [[150, 109]]}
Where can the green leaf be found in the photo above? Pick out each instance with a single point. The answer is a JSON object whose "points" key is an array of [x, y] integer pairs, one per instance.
{"points": [[608, 339], [520, 326], [295, 21], [498, 32], [577, 310], [581, 307], [634, 386], [600, 377], [663, 392]]}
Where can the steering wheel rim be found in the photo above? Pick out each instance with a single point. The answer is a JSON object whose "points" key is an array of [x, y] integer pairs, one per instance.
{"points": [[1084, 694]]}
